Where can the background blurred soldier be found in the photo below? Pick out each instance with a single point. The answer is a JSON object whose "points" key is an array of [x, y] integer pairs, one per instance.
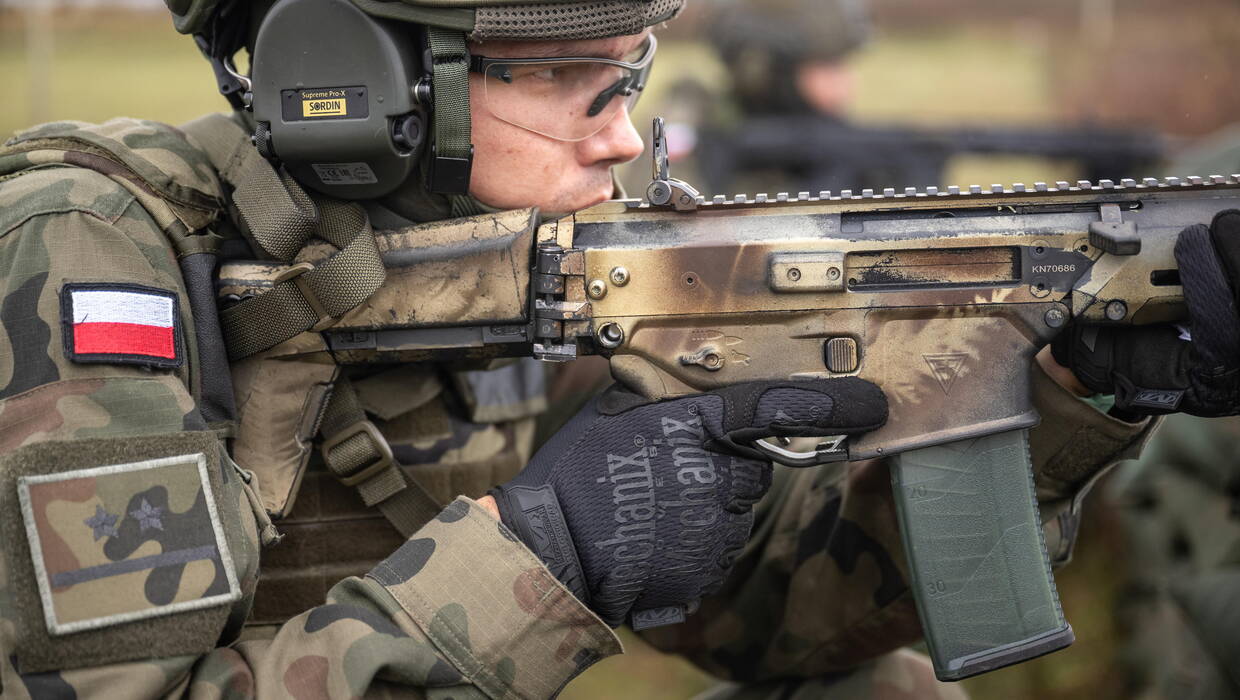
{"points": [[785, 121], [789, 57], [1180, 507], [783, 59]]}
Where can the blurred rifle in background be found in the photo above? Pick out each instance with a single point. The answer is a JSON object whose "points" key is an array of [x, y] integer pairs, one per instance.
{"points": [[820, 153]]}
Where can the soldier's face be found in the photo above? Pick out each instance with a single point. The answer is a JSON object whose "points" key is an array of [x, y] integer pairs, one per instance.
{"points": [[828, 86], [515, 167]]}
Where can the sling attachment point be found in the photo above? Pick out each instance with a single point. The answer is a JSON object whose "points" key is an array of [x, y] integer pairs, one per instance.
{"points": [[295, 274], [354, 474], [358, 456], [451, 153], [282, 219]]}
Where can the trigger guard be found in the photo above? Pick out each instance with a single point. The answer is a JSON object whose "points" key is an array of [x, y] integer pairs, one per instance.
{"points": [[830, 448]]}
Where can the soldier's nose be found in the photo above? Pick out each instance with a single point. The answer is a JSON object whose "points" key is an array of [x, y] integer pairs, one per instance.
{"points": [[617, 143]]}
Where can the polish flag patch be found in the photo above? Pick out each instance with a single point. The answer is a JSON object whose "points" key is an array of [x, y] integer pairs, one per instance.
{"points": [[121, 324]]}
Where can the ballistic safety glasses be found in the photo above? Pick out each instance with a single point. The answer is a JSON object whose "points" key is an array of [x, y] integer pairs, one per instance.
{"points": [[567, 99]]}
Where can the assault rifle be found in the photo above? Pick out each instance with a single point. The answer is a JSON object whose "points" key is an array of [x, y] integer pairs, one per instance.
{"points": [[820, 152], [940, 296]]}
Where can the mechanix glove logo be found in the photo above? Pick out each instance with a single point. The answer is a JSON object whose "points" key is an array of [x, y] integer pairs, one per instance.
{"points": [[640, 508]]}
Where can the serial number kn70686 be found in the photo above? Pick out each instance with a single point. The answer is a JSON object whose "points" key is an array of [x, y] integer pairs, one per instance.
{"points": [[1040, 269]]}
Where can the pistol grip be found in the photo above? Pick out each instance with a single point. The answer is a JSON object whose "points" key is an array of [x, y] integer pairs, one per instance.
{"points": [[977, 557]]}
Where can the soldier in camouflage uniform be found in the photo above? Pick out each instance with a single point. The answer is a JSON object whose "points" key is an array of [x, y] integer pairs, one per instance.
{"points": [[138, 476], [1180, 507], [789, 57], [783, 59]]}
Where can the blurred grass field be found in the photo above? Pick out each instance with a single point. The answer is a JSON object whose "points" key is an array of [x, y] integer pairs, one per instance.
{"points": [[108, 64]]}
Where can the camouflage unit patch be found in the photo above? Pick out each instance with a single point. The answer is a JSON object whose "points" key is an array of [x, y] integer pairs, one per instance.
{"points": [[125, 542]]}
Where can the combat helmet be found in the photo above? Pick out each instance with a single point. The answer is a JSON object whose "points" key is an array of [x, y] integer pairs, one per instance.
{"points": [[355, 97], [762, 42]]}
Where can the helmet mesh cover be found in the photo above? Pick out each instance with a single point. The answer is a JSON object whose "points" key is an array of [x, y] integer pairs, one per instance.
{"points": [[571, 21]]}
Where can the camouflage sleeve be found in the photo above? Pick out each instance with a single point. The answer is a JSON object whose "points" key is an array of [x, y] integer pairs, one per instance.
{"points": [[131, 538], [426, 622], [461, 607], [823, 585], [126, 531]]}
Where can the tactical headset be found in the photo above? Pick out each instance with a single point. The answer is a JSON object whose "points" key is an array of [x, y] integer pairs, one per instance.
{"points": [[334, 94], [341, 99]]}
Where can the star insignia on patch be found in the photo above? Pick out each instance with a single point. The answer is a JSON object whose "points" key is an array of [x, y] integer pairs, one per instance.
{"points": [[147, 516], [102, 523]]}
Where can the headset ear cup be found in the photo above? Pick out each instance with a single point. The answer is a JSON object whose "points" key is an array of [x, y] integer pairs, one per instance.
{"points": [[336, 125]]}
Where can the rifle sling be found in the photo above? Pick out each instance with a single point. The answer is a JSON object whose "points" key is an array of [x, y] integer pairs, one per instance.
{"points": [[281, 218], [358, 456]]}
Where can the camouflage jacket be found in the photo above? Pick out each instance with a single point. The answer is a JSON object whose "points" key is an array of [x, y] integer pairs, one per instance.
{"points": [[132, 535]]}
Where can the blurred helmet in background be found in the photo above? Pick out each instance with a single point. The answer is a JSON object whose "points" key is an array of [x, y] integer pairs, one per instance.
{"points": [[763, 43]]}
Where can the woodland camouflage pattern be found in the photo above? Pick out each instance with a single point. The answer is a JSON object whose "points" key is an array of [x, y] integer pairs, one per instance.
{"points": [[459, 610]]}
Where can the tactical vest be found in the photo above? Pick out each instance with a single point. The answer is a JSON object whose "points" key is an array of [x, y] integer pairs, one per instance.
{"points": [[404, 437]]}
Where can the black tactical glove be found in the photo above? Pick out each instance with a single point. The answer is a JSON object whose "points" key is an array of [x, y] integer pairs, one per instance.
{"points": [[1155, 369], [641, 508]]}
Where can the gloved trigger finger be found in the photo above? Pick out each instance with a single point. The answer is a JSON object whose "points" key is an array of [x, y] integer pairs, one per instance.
{"points": [[807, 407]]}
